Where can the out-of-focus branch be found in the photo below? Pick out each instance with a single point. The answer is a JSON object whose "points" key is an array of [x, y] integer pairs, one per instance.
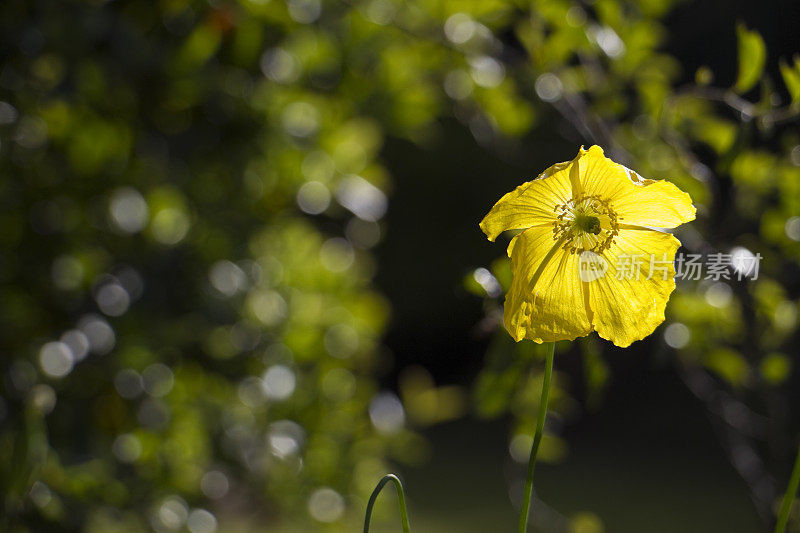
{"points": [[738, 428], [748, 110]]}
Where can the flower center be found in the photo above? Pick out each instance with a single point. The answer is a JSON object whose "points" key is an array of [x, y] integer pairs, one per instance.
{"points": [[588, 224], [585, 224]]}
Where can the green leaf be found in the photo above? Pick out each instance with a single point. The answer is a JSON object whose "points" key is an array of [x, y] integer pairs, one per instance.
{"points": [[198, 48], [775, 368], [791, 77], [718, 133], [729, 365], [752, 56], [704, 76]]}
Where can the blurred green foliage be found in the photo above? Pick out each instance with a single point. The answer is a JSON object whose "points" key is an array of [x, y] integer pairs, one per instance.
{"points": [[179, 337], [189, 195], [752, 58]]}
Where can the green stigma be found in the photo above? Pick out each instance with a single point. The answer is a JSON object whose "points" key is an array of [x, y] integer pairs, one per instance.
{"points": [[588, 224]]}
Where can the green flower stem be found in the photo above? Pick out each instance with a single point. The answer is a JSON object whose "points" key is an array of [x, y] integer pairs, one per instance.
{"points": [[788, 498], [537, 438], [401, 496]]}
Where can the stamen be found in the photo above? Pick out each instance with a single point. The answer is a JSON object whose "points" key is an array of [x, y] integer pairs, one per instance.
{"points": [[578, 222]]}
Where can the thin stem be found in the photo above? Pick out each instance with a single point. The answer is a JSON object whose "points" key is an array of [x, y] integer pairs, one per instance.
{"points": [[788, 498], [401, 496], [537, 438]]}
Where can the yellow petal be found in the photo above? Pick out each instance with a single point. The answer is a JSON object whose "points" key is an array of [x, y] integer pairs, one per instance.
{"points": [[637, 201], [545, 301], [531, 204], [627, 306]]}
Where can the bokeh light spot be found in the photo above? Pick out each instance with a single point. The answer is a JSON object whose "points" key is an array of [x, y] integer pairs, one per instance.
{"points": [[792, 228], [677, 335], [170, 225], [380, 12], [326, 505], [387, 413], [100, 334], [43, 398], [548, 87], [128, 383], [313, 197], [158, 380], [487, 71], [78, 343], [227, 278], [112, 299], [128, 210], [279, 65], [362, 198], [305, 11], [458, 84], [285, 438], [267, 306], [127, 448], [171, 514], [251, 392], [719, 294], [300, 119], [55, 359], [201, 521], [279, 382], [520, 447], [215, 484], [336, 254], [459, 28]]}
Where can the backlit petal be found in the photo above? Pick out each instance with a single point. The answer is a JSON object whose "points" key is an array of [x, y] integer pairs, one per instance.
{"points": [[626, 310], [531, 204], [637, 201], [658, 204], [551, 306]]}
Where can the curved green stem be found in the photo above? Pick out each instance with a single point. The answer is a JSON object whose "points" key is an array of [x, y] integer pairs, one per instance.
{"points": [[788, 498], [537, 439], [401, 496]]}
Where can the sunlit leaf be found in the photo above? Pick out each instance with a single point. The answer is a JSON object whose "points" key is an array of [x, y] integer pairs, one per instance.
{"points": [[775, 368], [729, 365], [752, 57], [791, 77]]}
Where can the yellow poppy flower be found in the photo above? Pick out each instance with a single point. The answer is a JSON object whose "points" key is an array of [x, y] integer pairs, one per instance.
{"points": [[589, 258]]}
